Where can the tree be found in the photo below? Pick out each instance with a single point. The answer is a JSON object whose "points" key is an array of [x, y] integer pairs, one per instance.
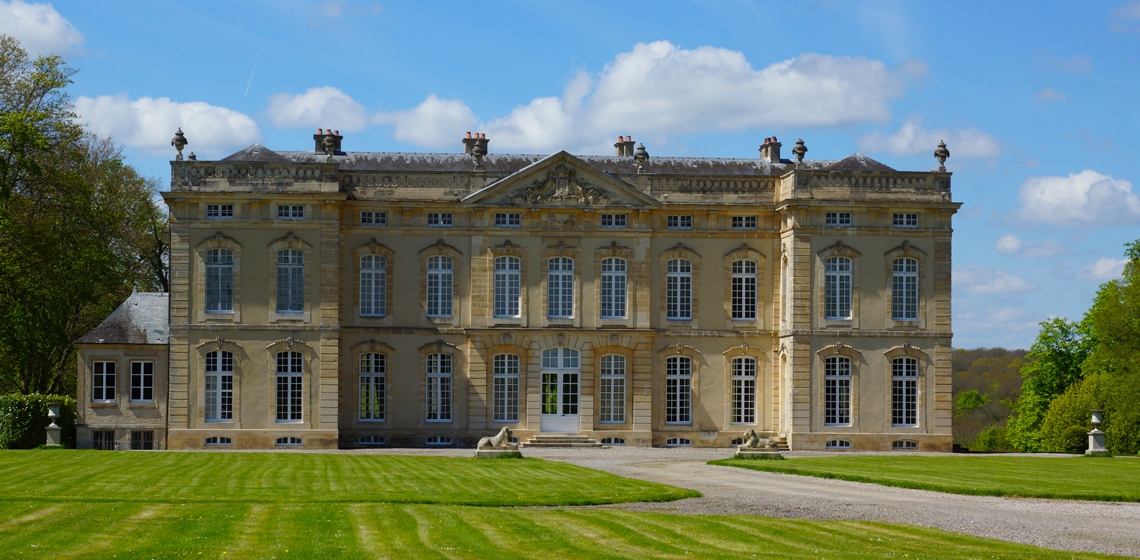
{"points": [[76, 226], [1055, 363]]}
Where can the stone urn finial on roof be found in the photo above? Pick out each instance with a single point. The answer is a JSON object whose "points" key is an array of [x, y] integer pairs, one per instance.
{"points": [[800, 150], [179, 142], [641, 156], [329, 144], [940, 154]]}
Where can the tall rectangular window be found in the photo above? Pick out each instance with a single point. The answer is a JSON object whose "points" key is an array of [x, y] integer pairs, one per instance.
{"points": [[837, 391], [290, 211], [219, 211], [679, 290], [744, 390], [744, 290], [508, 286], [904, 289], [103, 382], [290, 281], [506, 387], [372, 218], [373, 286], [560, 288], [438, 388], [440, 219], [613, 288], [142, 382], [290, 371], [373, 374], [440, 286], [678, 390], [904, 220], [613, 220], [837, 288], [219, 281], [904, 392], [508, 219], [679, 222], [219, 386], [837, 219], [744, 222], [612, 390]]}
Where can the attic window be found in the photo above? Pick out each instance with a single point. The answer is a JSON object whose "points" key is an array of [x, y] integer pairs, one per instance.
{"points": [[744, 222], [219, 211], [440, 219], [616, 221], [290, 212], [508, 219], [905, 221], [679, 222], [837, 219], [368, 218]]}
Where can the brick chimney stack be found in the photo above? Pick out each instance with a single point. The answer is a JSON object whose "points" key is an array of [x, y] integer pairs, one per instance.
{"points": [[624, 146], [770, 150], [475, 139], [319, 141]]}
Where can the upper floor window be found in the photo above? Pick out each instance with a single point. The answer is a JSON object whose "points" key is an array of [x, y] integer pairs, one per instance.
{"points": [[837, 219], [219, 394], [904, 220], [837, 288], [744, 290], [560, 288], [440, 286], [679, 290], [508, 286], [373, 286], [904, 392], [440, 219], [613, 288], [744, 390], [370, 218], [679, 221], [373, 373], [837, 391], [290, 281], [613, 220], [508, 219], [438, 388], [103, 382], [290, 211], [290, 394], [219, 211], [612, 390], [744, 222], [678, 390], [506, 387], [219, 281], [904, 289], [142, 382]]}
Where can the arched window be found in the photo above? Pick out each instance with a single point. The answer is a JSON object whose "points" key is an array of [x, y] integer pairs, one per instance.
{"points": [[744, 390], [613, 288], [438, 387], [219, 281], [678, 389], [837, 391], [290, 281], [219, 386], [290, 373], [505, 379], [612, 389], [560, 288], [904, 391], [440, 286], [508, 284], [373, 379], [904, 289], [679, 290], [373, 286], [837, 288], [744, 290]]}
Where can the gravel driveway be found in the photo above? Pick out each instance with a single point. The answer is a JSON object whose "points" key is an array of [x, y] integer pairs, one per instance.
{"points": [[1112, 528]]}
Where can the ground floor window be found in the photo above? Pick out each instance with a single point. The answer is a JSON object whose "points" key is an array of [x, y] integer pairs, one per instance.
{"points": [[744, 390], [837, 391], [103, 440], [613, 390], [373, 374], [678, 390], [290, 369], [439, 388], [904, 392], [506, 388], [219, 386], [142, 440]]}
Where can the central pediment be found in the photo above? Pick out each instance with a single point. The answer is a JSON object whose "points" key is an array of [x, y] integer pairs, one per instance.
{"points": [[560, 180]]}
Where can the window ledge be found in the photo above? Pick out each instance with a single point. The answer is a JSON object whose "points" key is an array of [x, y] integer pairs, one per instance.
{"points": [[277, 316], [373, 421], [112, 404], [438, 421], [142, 405]]}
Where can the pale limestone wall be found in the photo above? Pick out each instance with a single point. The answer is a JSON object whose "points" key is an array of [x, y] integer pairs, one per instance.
{"points": [[122, 415]]}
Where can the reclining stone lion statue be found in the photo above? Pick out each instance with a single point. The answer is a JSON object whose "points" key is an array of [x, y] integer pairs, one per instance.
{"points": [[502, 440], [753, 441]]}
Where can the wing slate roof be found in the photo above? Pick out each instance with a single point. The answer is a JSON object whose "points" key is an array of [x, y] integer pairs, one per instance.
{"points": [[142, 319], [858, 162]]}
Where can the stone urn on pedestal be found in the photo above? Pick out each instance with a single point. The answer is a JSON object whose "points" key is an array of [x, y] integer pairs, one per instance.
{"points": [[1096, 437], [54, 436]]}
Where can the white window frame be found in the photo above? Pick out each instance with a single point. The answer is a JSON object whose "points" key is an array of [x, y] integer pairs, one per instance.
{"points": [[290, 387], [104, 382], [614, 288], [219, 386], [441, 219], [678, 442], [438, 387], [505, 372], [508, 219], [219, 211], [373, 374], [142, 381], [290, 281], [744, 375], [219, 281], [679, 290], [438, 440], [508, 287], [906, 220], [904, 392], [679, 221], [837, 391], [745, 222], [373, 286], [615, 221], [440, 286], [837, 292], [373, 218], [904, 289], [218, 441], [560, 288], [611, 401], [837, 444], [745, 274], [837, 219], [290, 211], [289, 441], [678, 390]]}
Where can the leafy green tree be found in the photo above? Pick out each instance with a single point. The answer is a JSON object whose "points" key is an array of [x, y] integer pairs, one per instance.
{"points": [[969, 401], [1055, 363]]}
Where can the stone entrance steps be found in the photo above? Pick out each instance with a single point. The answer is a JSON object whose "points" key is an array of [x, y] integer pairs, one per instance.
{"points": [[560, 440]]}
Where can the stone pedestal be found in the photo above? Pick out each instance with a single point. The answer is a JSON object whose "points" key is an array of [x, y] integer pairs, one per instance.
{"points": [[1096, 437], [54, 436], [496, 453], [757, 454]]}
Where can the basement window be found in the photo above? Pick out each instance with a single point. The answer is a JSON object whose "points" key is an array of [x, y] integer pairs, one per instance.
{"points": [[438, 440], [218, 441], [613, 441], [289, 442], [678, 442], [837, 444], [904, 444], [372, 440]]}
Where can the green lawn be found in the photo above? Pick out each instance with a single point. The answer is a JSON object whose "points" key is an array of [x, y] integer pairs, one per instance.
{"points": [[1075, 478]]}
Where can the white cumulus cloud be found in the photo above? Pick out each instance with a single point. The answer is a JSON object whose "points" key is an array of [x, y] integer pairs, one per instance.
{"points": [[982, 280], [1126, 17], [435, 123], [1011, 244], [1050, 95], [1085, 198], [1103, 269], [911, 139], [149, 124], [40, 29], [318, 107]]}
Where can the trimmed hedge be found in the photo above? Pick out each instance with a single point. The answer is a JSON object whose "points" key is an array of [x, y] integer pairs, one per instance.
{"points": [[24, 420]]}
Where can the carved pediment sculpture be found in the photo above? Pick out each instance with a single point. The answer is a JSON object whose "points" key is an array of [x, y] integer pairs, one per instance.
{"points": [[561, 185]]}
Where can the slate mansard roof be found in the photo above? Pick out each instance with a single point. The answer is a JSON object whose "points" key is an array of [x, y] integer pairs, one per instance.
{"points": [[142, 319]]}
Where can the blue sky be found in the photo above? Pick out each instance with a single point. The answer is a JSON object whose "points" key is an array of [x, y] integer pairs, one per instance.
{"points": [[1036, 100]]}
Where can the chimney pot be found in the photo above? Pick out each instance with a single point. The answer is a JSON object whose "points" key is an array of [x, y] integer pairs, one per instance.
{"points": [[469, 134], [320, 131], [336, 133]]}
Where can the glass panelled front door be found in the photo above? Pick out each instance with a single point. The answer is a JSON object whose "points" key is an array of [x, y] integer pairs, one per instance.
{"points": [[560, 378]]}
